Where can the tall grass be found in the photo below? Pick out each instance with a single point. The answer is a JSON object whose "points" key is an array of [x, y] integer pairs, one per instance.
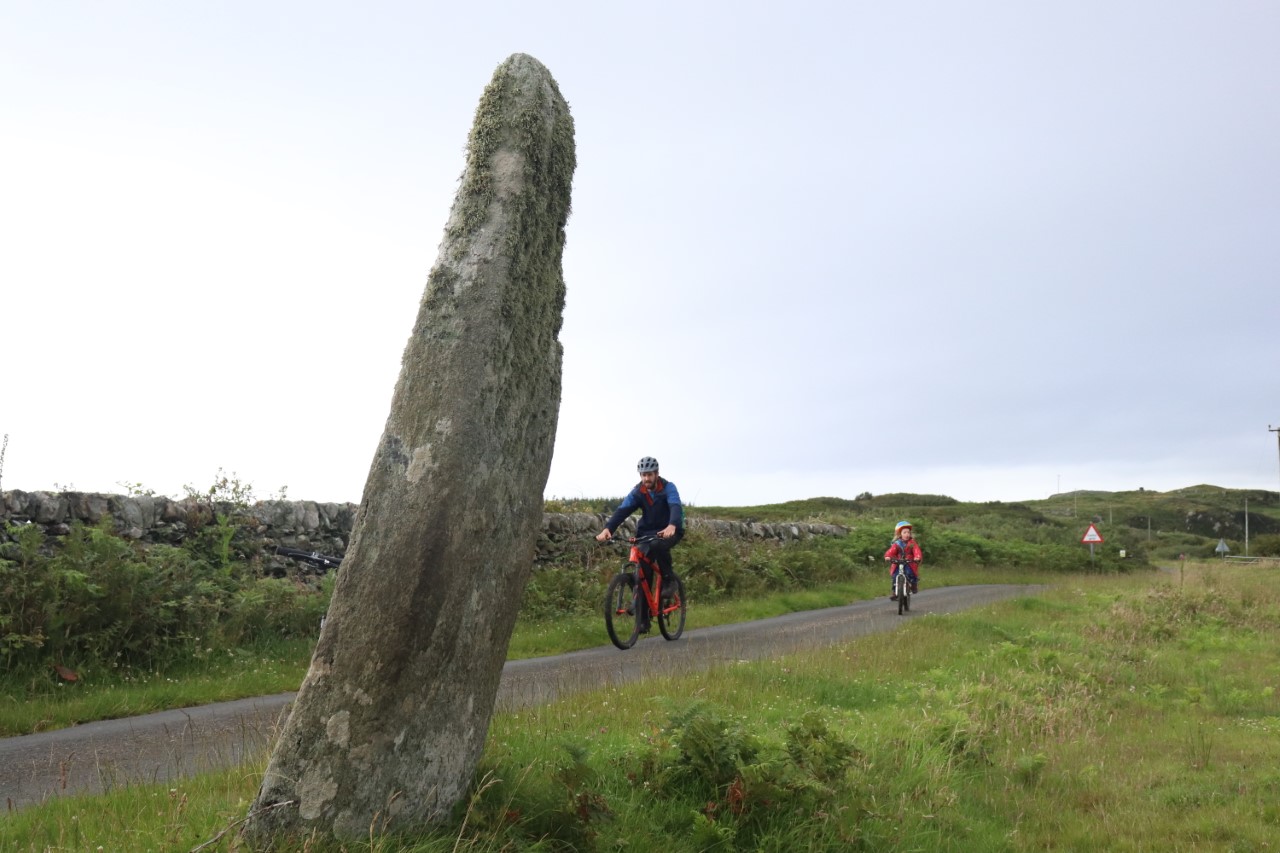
{"points": [[1117, 713], [43, 701]]}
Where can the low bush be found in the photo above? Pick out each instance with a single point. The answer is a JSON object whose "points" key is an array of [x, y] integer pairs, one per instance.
{"points": [[94, 597], [1266, 546]]}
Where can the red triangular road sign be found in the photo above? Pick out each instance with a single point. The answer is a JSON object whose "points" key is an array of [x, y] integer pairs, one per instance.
{"points": [[1091, 536]]}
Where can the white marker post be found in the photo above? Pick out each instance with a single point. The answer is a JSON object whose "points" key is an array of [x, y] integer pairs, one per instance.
{"points": [[1091, 537]]}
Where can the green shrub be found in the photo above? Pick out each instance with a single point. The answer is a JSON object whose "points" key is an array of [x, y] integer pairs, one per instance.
{"points": [[565, 587], [1266, 546], [275, 607], [26, 593], [95, 597], [747, 779]]}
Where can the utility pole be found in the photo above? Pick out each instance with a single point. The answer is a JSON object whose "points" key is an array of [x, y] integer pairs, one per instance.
{"points": [[1276, 430], [1246, 527], [3, 448]]}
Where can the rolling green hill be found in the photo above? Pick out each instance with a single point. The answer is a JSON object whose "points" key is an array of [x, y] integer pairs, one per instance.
{"points": [[1147, 524]]}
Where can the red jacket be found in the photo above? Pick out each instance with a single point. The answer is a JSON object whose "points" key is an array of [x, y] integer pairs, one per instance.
{"points": [[909, 551]]}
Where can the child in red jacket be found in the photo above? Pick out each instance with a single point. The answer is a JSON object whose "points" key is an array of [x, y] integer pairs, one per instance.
{"points": [[905, 548]]}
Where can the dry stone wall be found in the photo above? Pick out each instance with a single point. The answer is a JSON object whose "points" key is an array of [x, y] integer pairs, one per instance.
{"points": [[312, 526]]}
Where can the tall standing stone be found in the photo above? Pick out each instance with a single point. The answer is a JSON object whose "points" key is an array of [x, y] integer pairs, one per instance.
{"points": [[391, 719]]}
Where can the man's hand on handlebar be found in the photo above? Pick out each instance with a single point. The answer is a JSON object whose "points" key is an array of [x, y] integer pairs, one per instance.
{"points": [[604, 535], [667, 532]]}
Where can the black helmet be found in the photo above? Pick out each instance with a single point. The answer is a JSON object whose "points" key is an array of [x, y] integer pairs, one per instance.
{"points": [[646, 464]]}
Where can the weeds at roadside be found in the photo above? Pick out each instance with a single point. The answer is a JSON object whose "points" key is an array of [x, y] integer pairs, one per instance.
{"points": [[1021, 726]]}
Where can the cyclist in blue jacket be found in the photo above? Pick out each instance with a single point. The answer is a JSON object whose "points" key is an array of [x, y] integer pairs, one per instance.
{"points": [[661, 515]]}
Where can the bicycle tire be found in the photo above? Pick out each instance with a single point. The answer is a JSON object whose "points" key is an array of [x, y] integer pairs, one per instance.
{"points": [[623, 627], [671, 624], [903, 589]]}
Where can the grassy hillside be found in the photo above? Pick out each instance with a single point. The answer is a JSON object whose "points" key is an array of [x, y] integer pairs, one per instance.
{"points": [[1155, 525]]}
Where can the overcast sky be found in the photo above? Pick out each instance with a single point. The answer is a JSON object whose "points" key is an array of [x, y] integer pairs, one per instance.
{"points": [[993, 250]]}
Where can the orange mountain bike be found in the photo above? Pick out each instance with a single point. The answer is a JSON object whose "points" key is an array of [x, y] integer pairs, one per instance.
{"points": [[635, 593]]}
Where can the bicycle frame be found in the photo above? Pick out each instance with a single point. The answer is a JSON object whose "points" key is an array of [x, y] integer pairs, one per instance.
{"points": [[647, 568]]}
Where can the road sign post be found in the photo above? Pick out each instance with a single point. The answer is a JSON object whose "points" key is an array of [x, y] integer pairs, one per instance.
{"points": [[1091, 537]]}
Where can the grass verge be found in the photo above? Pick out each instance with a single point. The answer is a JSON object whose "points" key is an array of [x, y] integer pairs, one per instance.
{"points": [[1119, 713], [43, 702]]}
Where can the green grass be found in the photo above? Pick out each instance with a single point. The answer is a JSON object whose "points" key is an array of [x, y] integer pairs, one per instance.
{"points": [[135, 818], [1133, 712], [43, 702]]}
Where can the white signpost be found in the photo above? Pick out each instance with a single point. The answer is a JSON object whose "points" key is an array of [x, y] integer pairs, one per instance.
{"points": [[1091, 537], [1222, 548]]}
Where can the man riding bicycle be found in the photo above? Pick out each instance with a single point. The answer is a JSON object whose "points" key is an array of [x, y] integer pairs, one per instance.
{"points": [[661, 515]]}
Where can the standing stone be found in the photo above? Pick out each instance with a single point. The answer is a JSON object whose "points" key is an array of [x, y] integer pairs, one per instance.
{"points": [[390, 722]]}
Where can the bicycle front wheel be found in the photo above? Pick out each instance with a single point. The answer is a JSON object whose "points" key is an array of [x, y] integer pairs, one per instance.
{"points": [[904, 590], [619, 611], [671, 617]]}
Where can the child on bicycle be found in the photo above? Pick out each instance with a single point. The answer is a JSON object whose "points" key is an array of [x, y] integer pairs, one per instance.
{"points": [[661, 515], [904, 548]]}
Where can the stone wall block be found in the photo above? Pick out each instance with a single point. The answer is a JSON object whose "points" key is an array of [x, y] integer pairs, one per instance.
{"points": [[51, 509]]}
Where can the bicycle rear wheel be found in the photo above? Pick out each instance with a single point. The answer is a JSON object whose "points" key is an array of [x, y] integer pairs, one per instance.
{"points": [[619, 611], [671, 617]]}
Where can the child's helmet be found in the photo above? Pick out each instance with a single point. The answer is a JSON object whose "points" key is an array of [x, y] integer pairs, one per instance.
{"points": [[900, 525], [646, 464]]}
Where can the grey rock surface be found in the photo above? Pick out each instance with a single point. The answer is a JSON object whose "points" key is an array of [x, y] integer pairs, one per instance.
{"points": [[391, 718]]}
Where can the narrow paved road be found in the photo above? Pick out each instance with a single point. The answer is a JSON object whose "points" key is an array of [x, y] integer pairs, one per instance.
{"points": [[172, 744]]}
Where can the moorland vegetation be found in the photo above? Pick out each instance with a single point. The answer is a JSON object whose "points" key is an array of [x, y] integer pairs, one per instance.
{"points": [[93, 613], [1123, 708]]}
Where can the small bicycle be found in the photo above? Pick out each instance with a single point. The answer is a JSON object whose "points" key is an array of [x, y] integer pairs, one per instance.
{"points": [[901, 586], [630, 590]]}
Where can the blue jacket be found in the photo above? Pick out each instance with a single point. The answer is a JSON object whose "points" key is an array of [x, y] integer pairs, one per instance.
{"points": [[658, 508]]}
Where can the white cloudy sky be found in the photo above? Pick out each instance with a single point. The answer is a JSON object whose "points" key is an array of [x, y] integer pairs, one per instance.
{"points": [[987, 249]]}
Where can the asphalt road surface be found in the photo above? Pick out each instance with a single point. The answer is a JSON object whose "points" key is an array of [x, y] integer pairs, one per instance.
{"points": [[168, 745]]}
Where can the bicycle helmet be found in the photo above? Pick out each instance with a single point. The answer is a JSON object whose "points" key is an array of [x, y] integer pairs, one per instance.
{"points": [[900, 525], [646, 464]]}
